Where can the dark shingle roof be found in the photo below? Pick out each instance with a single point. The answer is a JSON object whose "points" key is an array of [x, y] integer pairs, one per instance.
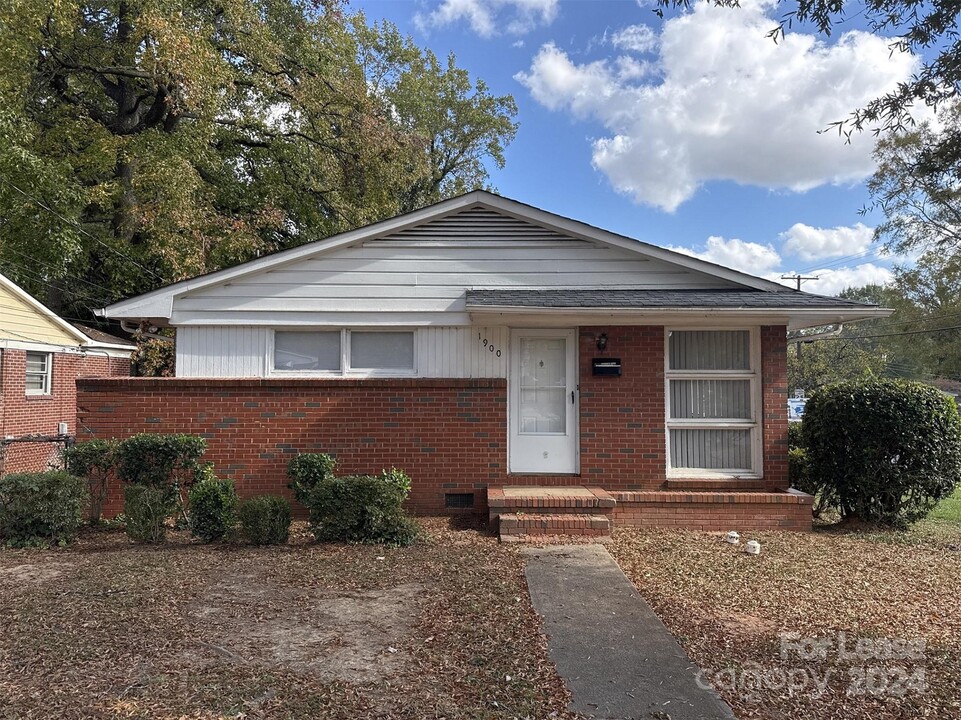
{"points": [[601, 298], [102, 337]]}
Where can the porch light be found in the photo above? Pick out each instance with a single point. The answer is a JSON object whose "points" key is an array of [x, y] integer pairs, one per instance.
{"points": [[602, 341]]}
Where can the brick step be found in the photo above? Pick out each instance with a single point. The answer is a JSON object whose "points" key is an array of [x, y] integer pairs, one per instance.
{"points": [[508, 499], [521, 526]]}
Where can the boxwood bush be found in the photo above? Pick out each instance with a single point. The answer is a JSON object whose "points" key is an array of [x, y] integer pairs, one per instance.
{"points": [[41, 508], [887, 450], [158, 460], [146, 509], [265, 520], [93, 460], [213, 509], [361, 508], [306, 470]]}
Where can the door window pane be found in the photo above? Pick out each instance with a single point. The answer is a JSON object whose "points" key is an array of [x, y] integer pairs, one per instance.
{"points": [[710, 350], [711, 399], [711, 449], [382, 350], [543, 385], [307, 350], [543, 410]]}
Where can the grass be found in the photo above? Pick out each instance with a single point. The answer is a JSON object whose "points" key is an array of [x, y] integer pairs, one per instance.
{"points": [[107, 629], [948, 509], [730, 610]]}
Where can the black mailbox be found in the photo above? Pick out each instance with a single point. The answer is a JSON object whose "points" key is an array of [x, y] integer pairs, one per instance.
{"points": [[606, 366]]}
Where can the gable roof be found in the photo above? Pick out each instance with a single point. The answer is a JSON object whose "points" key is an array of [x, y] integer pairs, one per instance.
{"points": [[42, 311], [159, 303]]}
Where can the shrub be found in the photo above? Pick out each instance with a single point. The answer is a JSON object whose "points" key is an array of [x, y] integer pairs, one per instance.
{"points": [[795, 435], [213, 509], [159, 460], [801, 479], [146, 509], [398, 478], [306, 470], [41, 508], [265, 520], [361, 508], [93, 460], [887, 450]]}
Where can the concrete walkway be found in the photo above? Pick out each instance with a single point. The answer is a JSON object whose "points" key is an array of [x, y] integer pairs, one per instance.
{"points": [[616, 656]]}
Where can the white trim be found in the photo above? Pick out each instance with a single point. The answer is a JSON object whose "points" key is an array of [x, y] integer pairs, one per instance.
{"points": [[755, 424], [46, 312], [159, 303], [47, 389], [345, 371]]}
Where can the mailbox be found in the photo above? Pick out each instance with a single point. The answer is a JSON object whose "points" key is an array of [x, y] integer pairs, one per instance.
{"points": [[606, 366]]}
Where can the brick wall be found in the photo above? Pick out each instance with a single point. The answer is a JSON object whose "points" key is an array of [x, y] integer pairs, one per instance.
{"points": [[720, 511], [22, 414], [450, 435]]}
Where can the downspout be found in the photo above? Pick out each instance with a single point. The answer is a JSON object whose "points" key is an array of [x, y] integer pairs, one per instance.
{"points": [[129, 327]]}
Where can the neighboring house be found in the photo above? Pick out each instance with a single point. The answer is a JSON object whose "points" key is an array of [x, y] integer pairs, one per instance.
{"points": [[41, 356], [479, 343]]}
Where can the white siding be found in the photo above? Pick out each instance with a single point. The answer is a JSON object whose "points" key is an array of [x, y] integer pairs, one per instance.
{"points": [[441, 352], [221, 351], [420, 276]]}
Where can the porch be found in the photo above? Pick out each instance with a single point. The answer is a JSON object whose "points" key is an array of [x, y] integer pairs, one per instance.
{"points": [[529, 512]]}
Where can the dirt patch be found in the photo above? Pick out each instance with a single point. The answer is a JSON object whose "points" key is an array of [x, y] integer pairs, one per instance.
{"points": [[359, 636], [747, 625], [31, 573]]}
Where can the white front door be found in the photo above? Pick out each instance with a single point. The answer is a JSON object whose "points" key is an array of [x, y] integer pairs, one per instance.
{"points": [[543, 401]]}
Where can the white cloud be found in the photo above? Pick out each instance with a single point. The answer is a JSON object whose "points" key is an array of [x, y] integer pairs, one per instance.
{"points": [[748, 257], [834, 280], [728, 104], [814, 243], [490, 17], [636, 38]]}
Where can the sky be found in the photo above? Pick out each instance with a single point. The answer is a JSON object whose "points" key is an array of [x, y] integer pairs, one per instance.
{"points": [[695, 132]]}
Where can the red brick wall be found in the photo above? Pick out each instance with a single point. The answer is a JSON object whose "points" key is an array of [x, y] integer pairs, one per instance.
{"points": [[22, 414], [714, 510], [450, 435]]}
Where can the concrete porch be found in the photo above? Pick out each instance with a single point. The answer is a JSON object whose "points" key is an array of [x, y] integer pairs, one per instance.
{"points": [[528, 512]]}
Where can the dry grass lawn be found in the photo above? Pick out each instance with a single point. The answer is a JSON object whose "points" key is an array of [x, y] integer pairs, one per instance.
{"points": [[729, 609], [108, 629]]}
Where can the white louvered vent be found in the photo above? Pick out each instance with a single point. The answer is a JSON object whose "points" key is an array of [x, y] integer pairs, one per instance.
{"points": [[477, 224]]}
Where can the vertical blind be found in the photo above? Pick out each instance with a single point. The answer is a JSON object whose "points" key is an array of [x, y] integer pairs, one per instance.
{"points": [[710, 350]]}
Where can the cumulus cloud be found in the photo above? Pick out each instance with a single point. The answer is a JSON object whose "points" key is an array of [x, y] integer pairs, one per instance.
{"points": [[834, 280], [814, 243], [636, 38], [749, 257], [724, 103], [490, 17]]}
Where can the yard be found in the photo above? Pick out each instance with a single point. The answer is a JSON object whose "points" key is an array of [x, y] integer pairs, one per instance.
{"points": [[105, 628], [827, 592]]}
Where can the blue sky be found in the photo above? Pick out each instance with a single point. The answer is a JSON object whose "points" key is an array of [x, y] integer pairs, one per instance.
{"points": [[695, 132]]}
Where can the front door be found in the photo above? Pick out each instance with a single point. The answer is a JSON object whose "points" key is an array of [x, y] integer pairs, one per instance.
{"points": [[543, 401]]}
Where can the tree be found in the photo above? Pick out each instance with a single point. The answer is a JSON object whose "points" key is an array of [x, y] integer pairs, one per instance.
{"points": [[145, 141]]}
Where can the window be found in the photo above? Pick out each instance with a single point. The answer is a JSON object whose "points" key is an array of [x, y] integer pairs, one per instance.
{"points": [[342, 352], [711, 402], [39, 373]]}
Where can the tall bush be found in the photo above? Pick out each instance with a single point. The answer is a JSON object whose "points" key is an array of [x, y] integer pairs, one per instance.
{"points": [[888, 450], [41, 508], [163, 461], [361, 508], [146, 509], [213, 509], [306, 471], [265, 520], [93, 460]]}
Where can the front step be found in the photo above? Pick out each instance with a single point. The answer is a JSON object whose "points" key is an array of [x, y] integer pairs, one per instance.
{"points": [[521, 527]]}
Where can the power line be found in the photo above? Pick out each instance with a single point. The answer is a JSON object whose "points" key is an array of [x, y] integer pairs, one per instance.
{"points": [[79, 228]]}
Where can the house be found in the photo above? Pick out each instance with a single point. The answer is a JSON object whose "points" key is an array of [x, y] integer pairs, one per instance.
{"points": [[41, 356], [492, 350]]}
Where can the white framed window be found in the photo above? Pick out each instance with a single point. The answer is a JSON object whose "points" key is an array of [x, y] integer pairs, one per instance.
{"points": [[39, 373], [344, 352], [713, 402]]}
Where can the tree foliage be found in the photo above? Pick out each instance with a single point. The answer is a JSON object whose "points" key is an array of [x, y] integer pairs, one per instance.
{"points": [[145, 141]]}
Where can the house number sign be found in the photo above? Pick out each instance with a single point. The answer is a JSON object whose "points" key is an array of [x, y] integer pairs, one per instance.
{"points": [[489, 345]]}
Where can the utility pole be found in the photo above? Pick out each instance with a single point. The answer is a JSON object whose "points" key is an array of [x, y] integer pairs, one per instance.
{"points": [[798, 278]]}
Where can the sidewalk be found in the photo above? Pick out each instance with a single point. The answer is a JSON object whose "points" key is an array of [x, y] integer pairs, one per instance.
{"points": [[615, 655]]}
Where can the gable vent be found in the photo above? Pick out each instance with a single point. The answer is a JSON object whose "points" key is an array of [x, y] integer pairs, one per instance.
{"points": [[478, 224]]}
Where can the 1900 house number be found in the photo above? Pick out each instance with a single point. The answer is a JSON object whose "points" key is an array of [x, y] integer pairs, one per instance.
{"points": [[489, 345]]}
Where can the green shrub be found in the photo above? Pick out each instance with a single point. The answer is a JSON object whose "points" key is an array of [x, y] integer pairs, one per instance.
{"points": [[795, 435], [398, 478], [265, 520], [213, 509], [361, 508], [306, 470], [93, 460], [146, 509], [886, 450], [160, 460], [41, 508], [801, 479]]}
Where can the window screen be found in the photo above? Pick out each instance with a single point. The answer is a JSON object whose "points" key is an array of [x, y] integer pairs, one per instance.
{"points": [[307, 350], [382, 350]]}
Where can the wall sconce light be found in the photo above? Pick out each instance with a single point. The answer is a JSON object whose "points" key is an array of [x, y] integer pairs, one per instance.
{"points": [[602, 341]]}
